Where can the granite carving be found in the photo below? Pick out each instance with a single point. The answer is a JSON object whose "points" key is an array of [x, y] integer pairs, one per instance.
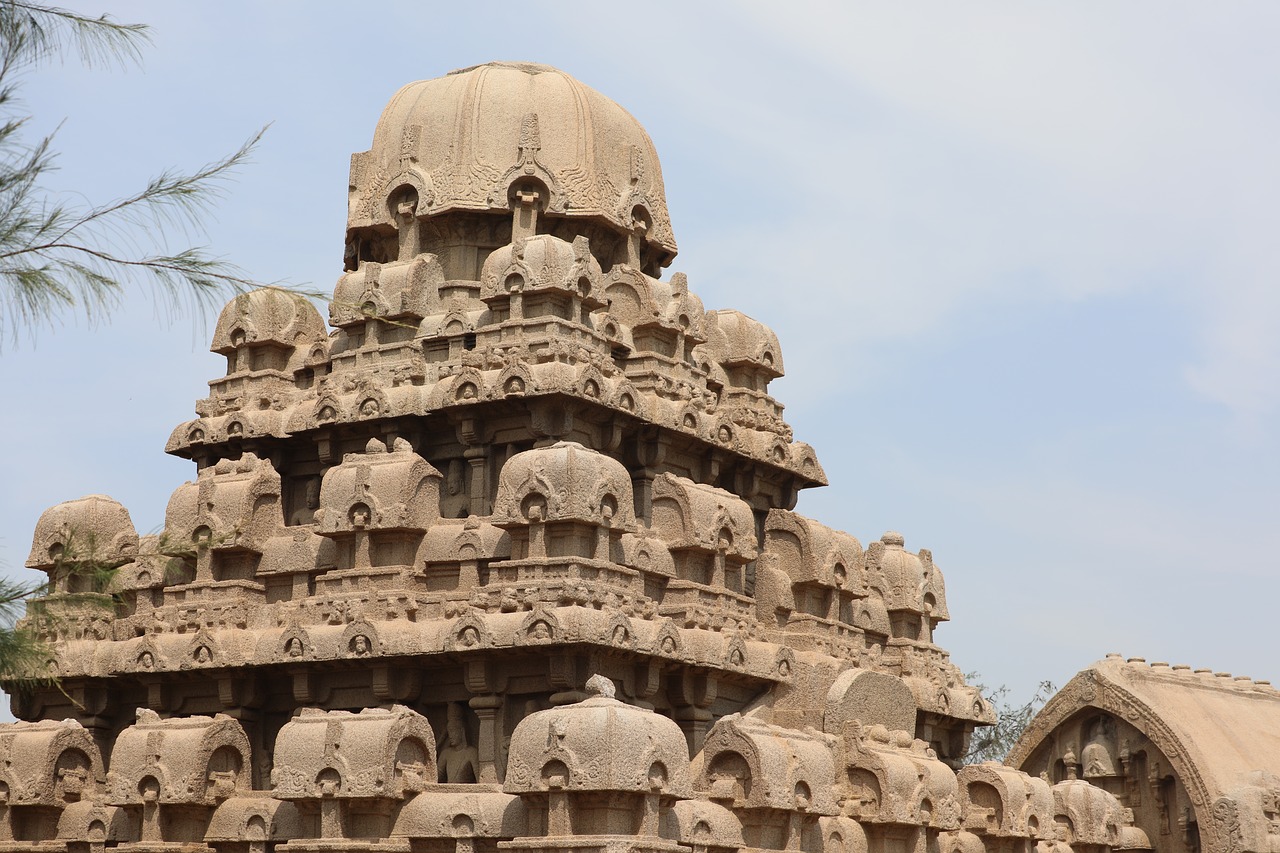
{"points": [[504, 556]]}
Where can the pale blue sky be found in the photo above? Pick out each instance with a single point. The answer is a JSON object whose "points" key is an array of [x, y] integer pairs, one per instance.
{"points": [[1022, 259]]}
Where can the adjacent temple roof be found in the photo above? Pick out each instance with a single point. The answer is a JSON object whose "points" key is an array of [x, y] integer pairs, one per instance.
{"points": [[1218, 733]]}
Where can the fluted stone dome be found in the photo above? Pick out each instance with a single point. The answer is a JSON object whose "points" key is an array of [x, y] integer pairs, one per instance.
{"points": [[468, 140], [568, 482], [268, 315], [599, 744], [93, 529]]}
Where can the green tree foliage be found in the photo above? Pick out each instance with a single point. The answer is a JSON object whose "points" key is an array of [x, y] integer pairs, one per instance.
{"points": [[59, 254], [993, 743], [62, 254], [32, 614]]}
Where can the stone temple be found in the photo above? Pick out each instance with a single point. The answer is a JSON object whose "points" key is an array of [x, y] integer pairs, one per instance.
{"points": [[504, 557]]}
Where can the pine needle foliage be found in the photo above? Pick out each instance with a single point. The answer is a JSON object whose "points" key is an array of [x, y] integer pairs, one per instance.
{"points": [[59, 255]]}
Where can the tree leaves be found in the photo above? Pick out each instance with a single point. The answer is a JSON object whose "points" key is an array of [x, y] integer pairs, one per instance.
{"points": [[59, 256], [993, 743]]}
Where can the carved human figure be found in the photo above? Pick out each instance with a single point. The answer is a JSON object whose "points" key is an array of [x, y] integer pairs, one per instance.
{"points": [[311, 502], [540, 631], [203, 655], [360, 645], [458, 761], [1097, 756], [293, 648]]}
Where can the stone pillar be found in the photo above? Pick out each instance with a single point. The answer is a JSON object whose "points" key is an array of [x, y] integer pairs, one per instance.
{"points": [[537, 543], [524, 221], [603, 535], [477, 457], [649, 819], [694, 721], [489, 709], [692, 695], [558, 823], [151, 810]]}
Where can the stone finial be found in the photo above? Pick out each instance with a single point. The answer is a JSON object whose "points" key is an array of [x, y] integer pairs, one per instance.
{"points": [[598, 685]]}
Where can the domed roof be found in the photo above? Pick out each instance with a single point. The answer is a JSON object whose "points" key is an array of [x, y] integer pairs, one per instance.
{"points": [[599, 744], [94, 529], [567, 482], [268, 314], [464, 140]]}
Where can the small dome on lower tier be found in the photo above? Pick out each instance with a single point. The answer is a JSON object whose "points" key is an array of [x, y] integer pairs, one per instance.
{"points": [[94, 529], [599, 744], [268, 315], [565, 481]]}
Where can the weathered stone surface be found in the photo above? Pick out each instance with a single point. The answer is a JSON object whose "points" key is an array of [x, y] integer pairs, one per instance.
{"points": [[1192, 754], [508, 560]]}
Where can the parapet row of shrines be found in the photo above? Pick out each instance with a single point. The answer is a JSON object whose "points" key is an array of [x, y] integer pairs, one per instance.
{"points": [[544, 345], [563, 558], [598, 774]]}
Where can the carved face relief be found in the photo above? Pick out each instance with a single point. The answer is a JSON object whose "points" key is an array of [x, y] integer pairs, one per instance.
{"points": [[72, 773]]}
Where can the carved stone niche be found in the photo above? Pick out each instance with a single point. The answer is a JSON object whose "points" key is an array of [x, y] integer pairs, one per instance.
{"points": [[447, 820], [403, 292], [349, 773], [89, 827], [564, 502], [1088, 818], [777, 781], [707, 827], [77, 539], [999, 802], [542, 275], [912, 587], [226, 517], [376, 505], [265, 333], [711, 533], [170, 775], [45, 768], [253, 823], [895, 785], [597, 767], [455, 555], [824, 566]]}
